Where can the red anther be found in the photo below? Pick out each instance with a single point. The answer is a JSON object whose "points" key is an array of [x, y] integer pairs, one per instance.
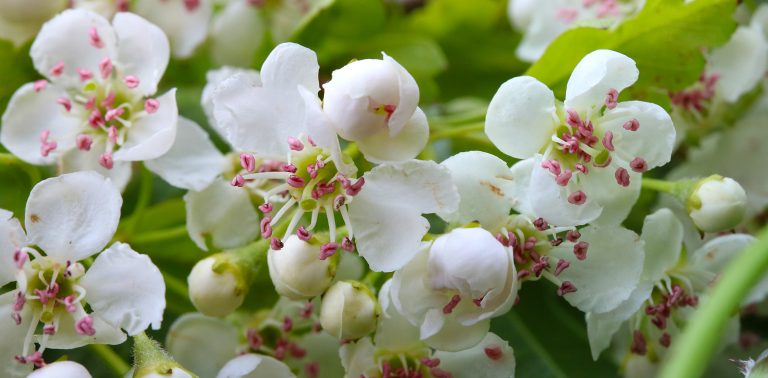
{"points": [[638, 343], [573, 119], [478, 301], [565, 288], [255, 341], [266, 227], [131, 81], [122, 5], [191, 5], [512, 239], [112, 134], [347, 244], [448, 308], [660, 322], [248, 162], [530, 243], [95, 119], [296, 351], [522, 274], [608, 141], [287, 324], [108, 101], [113, 114], [303, 234], [312, 369], [540, 224], [83, 142], [539, 266], [580, 250], [296, 181], [438, 373], [84, 326], [290, 168], [504, 241], [638, 165], [577, 198], [563, 178], [275, 244], [493, 352], [581, 168], [40, 85], [295, 144], [665, 340], [20, 258], [105, 68], [328, 250], [57, 69], [650, 310], [65, 102], [555, 242], [69, 303], [355, 188], [385, 370], [85, 75], [18, 304], [105, 160], [95, 38], [573, 236], [36, 358], [49, 329], [238, 181], [561, 266], [622, 177], [339, 201], [552, 165], [611, 98], [306, 311], [266, 208], [430, 362], [16, 318], [632, 125], [151, 105]]}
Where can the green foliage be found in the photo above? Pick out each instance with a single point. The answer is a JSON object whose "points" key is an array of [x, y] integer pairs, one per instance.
{"points": [[15, 70], [666, 40]]}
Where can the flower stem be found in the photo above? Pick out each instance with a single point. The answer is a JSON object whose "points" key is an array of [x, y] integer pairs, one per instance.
{"points": [[459, 130], [112, 359], [160, 235], [659, 185], [691, 354], [176, 285], [145, 195]]}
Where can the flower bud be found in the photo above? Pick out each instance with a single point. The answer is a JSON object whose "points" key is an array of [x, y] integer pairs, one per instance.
{"points": [[717, 203], [369, 95], [297, 270], [349, 310], [151, 361], [217, 285], [67, 369]]}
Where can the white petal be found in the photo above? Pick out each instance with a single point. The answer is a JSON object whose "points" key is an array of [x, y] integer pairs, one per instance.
{"points": [[740, 63], [13, 337], [519, 188], [596, 74], [66, 39], [602, 326], [381, 147], [186, 29], [544, 28], [11, 238], [453, 336], [57, 369], [715, 255], [663, 237], [610, 272], [73, 216], [214, 78], [75, 160], [357, 358], [550, 201], [152, 135], [617, 201], [202, 344], [193, 162], [28, 114], [408, 94], [653, 141], [255, 366], [394, 331], [319, 128], [143, 51], [485, 187], [223, 213], [134, 301], [474, 363], [521, 117], [409, 291], [386, 214], [237, 34], [67, 338], [290, 65]]}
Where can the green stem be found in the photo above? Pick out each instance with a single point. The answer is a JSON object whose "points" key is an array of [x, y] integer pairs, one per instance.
{"points": [[176, 285], [112, 359], [145, 195], [690, 355], [160, 235], [659, 185], [459, 130]]}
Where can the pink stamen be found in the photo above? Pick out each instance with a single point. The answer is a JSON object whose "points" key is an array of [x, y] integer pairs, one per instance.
{"points": [[266, 227], [665, 340], [303, 234], [65, 102], [565, 288], [69, 303], [581, 168], [573, 119], [608, 141], [611, 98], [638, 343], [84, 142], [622, 177], [106, 67], [539, 266], [580, 250], [84, 326], [238, 181], [57, 69], [493, 352], [577, 198], [389, 109], [108, 101], [328, 250], [448, 308], [563, 178], [49, 329], [567, 14], [266, 208], [151, 105], [248, 162], [295, 144], [85, 75], [339, 201], [638, 165], [90, 104], [18, 304], [105, 160], [122, 5], [572, 235], [430, 362], [552, 165], [347, 244], [306, 311], [20, 258], [275, 244], [296, 181], [114, 114], [561, 266], [39, 85], [522, 274], [540, 224], [255, 341], [95, 38], [312, 368], [131, 81], [355, 188], [191, 5], [112, 134], [16, 318], [632, 125], [287, 324], [435, 372], [290, 168]]}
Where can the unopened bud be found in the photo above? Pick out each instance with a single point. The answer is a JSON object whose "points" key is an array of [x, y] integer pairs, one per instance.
{"points": [[217, 286], [349, 310], [67, 369], [717, 203], [297, 270]]}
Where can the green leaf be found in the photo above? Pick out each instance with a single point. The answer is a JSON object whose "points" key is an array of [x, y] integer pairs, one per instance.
{"points": [[15, 70], [17, 180], [665, 38]]}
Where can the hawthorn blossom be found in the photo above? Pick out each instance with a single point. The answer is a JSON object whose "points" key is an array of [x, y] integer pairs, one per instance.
{"points": [[676, 271], [584, 158], [70, 218], [452, 288], [541, 22], [94, 111]]}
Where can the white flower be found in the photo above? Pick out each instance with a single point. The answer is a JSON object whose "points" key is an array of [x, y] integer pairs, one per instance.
{"points": [[374, 103], [672, 283], [96, 102], [541, 22], [718, 203], [21, 19], [58, 369], [298, 271], [349, 310], [68, 219], [451, 290], [185, 22], [589, 153]]}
